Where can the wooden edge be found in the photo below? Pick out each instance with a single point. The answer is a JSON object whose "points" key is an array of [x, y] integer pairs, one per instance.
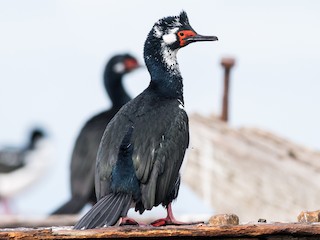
{"points": [[231, 231]]}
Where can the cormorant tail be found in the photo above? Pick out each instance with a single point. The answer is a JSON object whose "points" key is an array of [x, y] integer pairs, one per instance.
{"points": [[111, 207], [106, 212]]}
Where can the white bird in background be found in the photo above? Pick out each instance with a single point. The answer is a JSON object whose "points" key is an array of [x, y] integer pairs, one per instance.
{"points": [[21, 167]]}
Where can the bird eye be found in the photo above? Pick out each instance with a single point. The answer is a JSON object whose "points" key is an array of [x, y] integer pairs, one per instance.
{"points": [[181, 34]]}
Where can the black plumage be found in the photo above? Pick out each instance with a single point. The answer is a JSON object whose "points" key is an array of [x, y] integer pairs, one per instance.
{"points": [[116, 204], [86, 146], [160, 134]]}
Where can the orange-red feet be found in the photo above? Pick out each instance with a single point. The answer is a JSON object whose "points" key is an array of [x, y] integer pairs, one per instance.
{"points": [[170, 220], [129, 221]]}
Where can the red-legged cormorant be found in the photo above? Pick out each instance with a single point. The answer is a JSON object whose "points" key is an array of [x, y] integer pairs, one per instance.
{"points": [[143, 146], [85, 150]]}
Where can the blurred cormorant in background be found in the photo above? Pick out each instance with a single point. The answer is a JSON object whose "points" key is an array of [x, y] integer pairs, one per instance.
{"points": [[85, 150], [13, 158], [20, 167]]}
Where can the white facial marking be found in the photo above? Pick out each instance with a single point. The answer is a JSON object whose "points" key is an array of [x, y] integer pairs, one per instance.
{"points": [[171, 36], [169, 55], [119, 67]]}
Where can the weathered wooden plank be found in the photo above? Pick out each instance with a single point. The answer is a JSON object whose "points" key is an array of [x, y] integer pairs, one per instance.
{"points": [[252, 231], [33, 222]]}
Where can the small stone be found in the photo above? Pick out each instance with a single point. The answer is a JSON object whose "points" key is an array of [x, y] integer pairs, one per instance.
{"points": [[224, 219], [309, 217]]}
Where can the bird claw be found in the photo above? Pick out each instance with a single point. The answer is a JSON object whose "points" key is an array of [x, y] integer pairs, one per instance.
{"points": [[126, 221], [159, 222], [169, 221]]}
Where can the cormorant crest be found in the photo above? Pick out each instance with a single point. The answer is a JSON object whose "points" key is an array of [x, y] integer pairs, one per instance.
{"points": [[164, 25], [184, 18]]}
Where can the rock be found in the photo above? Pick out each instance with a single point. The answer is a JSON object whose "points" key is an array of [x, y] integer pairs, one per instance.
{"points": [[224, 219], [309, 217]]}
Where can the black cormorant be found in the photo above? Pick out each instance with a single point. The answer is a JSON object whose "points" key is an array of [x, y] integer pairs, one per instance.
{"points": [[85, 150], [154, 127]]}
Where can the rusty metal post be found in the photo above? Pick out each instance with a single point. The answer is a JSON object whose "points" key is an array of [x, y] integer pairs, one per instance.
{"points": [[227, 64]]}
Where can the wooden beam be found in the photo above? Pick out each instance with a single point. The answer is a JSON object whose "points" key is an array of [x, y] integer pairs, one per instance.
{"points": [[246, 231], [34, 222]]}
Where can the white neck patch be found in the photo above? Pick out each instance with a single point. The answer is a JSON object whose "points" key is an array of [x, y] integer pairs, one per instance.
{"points": [[170, 59], [169, 56]]}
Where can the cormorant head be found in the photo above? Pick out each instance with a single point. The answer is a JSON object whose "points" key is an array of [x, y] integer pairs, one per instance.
{"points": [[116, 68], [166, 37], [36, 135], [121, 64], [175, 32]]}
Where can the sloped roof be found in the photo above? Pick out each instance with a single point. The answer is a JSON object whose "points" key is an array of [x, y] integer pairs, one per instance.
{"points": [[250, 172]]}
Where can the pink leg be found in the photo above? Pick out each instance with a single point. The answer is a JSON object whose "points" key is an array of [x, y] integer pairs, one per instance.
{"points": [[170, 219], [129, 221]]}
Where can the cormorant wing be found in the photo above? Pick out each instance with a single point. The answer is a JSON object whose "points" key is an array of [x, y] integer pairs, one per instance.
{"points": [[160, 138], [11, 159]]}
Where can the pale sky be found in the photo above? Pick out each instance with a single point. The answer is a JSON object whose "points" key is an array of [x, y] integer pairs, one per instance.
{"points": [[52, 55]]}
